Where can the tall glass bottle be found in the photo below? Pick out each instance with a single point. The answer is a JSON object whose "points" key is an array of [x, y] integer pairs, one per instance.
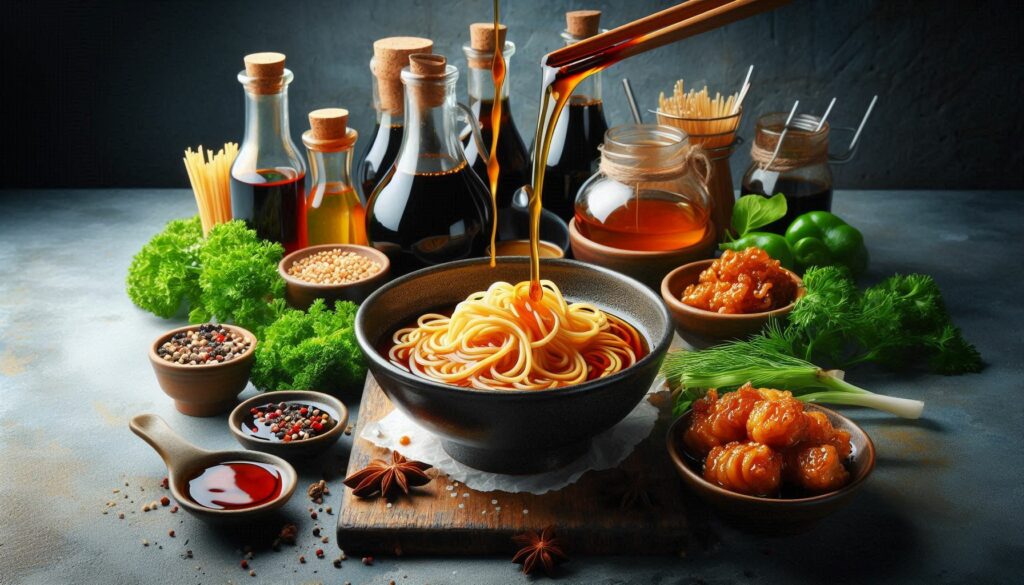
{"points": [[574, 153], [390, 55], [430, 207], [334, 212], [513, 158], [268, 176]]}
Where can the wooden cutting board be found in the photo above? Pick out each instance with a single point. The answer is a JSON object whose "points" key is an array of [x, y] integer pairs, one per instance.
{"points": [[588, 515]]}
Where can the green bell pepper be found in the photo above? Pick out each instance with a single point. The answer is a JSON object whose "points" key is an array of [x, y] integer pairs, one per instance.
{"points": [[775, 245], [819, 238]]}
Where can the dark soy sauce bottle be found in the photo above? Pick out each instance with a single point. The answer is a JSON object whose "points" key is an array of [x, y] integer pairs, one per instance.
{"points": [[390, 55], [513, 157], [800, 171], [574, 153], [430, 207], [268, 176]]}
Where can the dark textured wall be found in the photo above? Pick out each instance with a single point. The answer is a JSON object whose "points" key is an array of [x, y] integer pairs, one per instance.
{"points": [[110, 93]]}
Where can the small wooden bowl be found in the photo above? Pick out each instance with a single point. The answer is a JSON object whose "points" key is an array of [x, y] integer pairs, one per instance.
{"points": [[647, 267], [292, 449], [301, 294], [702, 328], [774, 516], [207, 389]]}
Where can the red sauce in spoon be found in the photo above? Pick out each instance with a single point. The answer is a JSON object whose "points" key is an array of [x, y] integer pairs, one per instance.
{"points": [[235, 485]]}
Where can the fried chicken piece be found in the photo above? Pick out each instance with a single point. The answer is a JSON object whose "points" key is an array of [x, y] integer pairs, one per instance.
{"points": [[777, 423], [747, 468], [816, 468], [717, 421]]}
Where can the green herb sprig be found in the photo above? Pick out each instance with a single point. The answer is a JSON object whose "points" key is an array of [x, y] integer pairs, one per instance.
{"points": [[314, 350], [766, 361], [231, 275]]}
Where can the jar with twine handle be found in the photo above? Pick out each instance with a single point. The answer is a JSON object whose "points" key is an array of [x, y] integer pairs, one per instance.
{"points": [[800, 169], [650, 192]]}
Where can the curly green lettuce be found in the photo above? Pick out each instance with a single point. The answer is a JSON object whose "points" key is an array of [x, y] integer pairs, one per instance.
{"points": [[164, 274], [314, 350], [238, 278]]}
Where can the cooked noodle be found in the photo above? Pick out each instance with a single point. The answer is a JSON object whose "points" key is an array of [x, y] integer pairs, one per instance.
{"points": [[500, 339]]}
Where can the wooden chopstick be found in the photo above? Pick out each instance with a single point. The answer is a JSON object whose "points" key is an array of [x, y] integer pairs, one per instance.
{"points": [[669, 25]]}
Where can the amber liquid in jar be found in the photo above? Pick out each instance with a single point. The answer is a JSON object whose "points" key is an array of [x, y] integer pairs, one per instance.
{"points": [[652, 221]]}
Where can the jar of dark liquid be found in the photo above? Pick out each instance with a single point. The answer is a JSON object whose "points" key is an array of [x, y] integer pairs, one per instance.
{"points": [[513, 158], [574, 154], [268, 175], [390, 55], [430, 207], [800, 170]]}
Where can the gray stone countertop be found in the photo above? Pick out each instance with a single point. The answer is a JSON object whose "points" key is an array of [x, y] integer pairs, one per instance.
{"points": [[945, 505]]}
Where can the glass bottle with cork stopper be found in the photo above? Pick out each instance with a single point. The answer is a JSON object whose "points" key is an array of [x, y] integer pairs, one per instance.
{"points": [[390, 55], [512, 155], [268, 176], [334, 212], [430, 207], [574, 145]]}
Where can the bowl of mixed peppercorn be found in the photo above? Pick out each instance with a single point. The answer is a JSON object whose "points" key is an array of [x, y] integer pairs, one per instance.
{"points": [[333, 272], [203, 367], [289, 423]]}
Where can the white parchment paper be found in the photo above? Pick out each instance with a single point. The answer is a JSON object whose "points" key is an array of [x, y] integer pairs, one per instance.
{"points": [[607, 450]]}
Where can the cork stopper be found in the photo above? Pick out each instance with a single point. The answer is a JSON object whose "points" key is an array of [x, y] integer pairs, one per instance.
{"points": [[265, 72], [390, 56], [430, 67], [481, 39], [328, 130], [583, 23]]}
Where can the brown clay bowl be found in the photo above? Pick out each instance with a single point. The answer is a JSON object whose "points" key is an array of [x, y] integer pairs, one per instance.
{"points": [[702, 328], [185, 461], [292, 449], [647, 267], [207, 389], [301, 294], [774, 516]]}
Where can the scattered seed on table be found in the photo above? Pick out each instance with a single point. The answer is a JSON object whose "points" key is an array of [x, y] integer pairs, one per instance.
{"points": [[367, 561], [165, 501], [170, 533]]}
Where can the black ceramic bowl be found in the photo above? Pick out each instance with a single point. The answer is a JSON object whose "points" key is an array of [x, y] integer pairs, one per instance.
{"points": [[506, 431]]}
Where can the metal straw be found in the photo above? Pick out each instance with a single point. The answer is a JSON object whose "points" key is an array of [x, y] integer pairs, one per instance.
{"points": [[785, 129], [825, 115], [863, 121], [626, 87]]}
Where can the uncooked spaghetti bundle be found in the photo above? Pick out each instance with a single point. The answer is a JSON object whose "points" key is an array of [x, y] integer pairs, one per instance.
{"points": [[210, 175], [710, 121]]}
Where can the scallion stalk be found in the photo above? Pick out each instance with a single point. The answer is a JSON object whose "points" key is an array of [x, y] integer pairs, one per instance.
{"points": [[764, 363]]}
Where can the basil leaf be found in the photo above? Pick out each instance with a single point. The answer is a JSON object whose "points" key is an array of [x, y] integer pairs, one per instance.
{"points": [[754, 211]]}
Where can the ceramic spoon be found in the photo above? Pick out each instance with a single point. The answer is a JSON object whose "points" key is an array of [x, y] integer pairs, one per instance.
{"points": [[185, 461]]}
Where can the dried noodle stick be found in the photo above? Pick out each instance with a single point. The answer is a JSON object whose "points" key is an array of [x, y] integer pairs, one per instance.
{"points": [[210, 176]]}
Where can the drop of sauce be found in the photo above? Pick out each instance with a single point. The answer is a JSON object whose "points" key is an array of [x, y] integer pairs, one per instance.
{"points": [[235, 485]]}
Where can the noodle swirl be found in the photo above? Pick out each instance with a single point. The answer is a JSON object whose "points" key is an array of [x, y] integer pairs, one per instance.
{"points": [[501, 339]]}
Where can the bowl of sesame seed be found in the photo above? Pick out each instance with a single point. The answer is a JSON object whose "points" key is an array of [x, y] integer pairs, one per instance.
{"points": [[333, 272]]}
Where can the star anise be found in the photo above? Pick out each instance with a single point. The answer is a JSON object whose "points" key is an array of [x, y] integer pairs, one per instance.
{"points": [[542, 551], [629, 491], [381, 477]]}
